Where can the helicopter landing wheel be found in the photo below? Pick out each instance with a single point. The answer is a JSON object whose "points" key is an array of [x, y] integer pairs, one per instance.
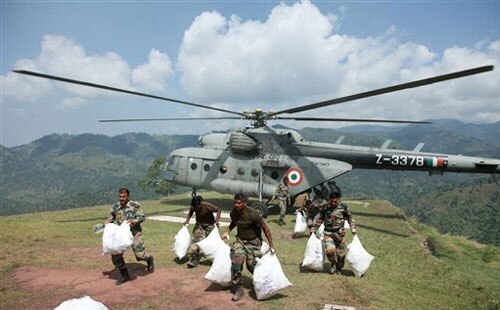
{"points": [[261, 208]]}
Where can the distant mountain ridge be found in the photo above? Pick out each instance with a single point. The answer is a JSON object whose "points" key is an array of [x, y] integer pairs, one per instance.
{"points": [[66, 171]]}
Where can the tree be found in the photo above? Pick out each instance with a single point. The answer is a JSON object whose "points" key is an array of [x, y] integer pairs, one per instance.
{"points": [[153, 180]]}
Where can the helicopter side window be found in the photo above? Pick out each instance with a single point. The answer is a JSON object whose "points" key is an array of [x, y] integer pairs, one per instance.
{"points": [[173, 163], [194, 166], [275, 175], [206, 167], [254, 173], [241, 171], [223, 169]]}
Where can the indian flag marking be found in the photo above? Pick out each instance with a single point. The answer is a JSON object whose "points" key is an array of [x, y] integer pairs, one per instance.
{"points": [[295, 176], [439, 162]]}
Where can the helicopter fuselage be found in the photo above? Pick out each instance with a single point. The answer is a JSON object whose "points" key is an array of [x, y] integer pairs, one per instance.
{"points": [[253, 161]]}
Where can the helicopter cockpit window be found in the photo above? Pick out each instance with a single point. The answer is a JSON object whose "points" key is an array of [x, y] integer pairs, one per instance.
{"points": [[173, 163], [223, 169], [275, 175], [206, 167], [194, 166]]}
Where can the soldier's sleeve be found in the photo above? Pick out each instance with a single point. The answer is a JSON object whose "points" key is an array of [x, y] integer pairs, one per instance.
{"points": [[350, 220], [138, 215], [112, 217], [318, 219]]}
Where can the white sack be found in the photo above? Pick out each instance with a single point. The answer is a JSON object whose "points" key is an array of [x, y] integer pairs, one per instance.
{"points": [[320, 231], [220, 272], [264, 248], [116, 239], [211, 244], [357, 257], [182, 242], [346, 225], [300, 223], [268, 277], [313, 256], [84, 303]]}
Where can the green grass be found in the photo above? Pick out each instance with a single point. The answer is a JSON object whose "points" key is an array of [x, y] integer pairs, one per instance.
{"points": [[415, 267]]}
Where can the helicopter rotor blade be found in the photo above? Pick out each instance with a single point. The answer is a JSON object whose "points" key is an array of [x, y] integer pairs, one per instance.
{"points": [[165, 119], [361, 120], [115, 89], [385, 90]]}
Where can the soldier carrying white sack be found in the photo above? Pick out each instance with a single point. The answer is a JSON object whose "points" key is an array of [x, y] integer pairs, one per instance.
{"points": [[126, 210], [333, 215], [248, 240]]}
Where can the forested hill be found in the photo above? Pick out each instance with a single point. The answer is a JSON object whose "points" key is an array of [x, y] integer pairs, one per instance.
{"points": [[67, 171]]}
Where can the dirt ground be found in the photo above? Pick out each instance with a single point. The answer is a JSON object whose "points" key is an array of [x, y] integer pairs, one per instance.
{"points": [[166, 288]]}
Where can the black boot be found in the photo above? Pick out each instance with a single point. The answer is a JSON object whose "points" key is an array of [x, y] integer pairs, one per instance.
{"points": [[151, 264], [238, 292], [194, 261], [124, 277]]}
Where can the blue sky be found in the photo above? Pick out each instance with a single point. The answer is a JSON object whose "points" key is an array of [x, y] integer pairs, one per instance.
{"points": [[241, 55]]}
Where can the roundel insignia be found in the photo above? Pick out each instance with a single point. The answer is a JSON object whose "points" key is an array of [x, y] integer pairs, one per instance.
{"points": [[295, 176]]}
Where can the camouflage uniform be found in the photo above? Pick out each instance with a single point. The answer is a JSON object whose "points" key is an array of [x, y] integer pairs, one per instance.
{"points": [[333, 242], [311, 210], [283, 195], [248, 242], [132, 211], [205, 223]]}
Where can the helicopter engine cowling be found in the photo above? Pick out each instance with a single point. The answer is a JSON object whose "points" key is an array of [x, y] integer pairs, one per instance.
{"points": [[216, 141], [240, 142]]}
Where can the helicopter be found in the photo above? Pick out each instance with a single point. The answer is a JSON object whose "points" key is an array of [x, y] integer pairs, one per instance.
{"points": [[253, 160]]}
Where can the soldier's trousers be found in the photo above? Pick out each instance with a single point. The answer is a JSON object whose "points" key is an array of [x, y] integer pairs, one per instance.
{"points": [[241, 251], [138, 249], [334, 247], [283, 207], [200, 232]]}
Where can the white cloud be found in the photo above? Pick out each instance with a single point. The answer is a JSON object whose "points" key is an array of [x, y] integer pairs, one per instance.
{"points": [[64, 57], [68, 104], [153, 75], [296, 57]]}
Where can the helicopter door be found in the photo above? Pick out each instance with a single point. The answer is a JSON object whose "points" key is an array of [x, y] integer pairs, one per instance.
{"points": [[194, 171]]}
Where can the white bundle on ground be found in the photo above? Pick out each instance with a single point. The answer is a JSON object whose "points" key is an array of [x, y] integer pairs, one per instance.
{"points": [[182, 242], [220, 272], [300, 223], [313, 256], [211, 244], [84, 303], [116, 239], [268, 277], [358, 258]]}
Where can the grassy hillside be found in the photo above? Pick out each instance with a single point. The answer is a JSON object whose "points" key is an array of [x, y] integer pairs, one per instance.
{"points": [[415, 266]]}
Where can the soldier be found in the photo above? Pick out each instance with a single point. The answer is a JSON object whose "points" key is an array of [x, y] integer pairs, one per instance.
{"points": [[205, 223], [333, 215], [126, 210], [301, 199], [283, 195], [310, 209], [248, 241]]}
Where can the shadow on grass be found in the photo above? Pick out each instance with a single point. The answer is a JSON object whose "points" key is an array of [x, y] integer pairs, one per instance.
{"points": [[387, 216], [385, 231], [99, 219]]}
